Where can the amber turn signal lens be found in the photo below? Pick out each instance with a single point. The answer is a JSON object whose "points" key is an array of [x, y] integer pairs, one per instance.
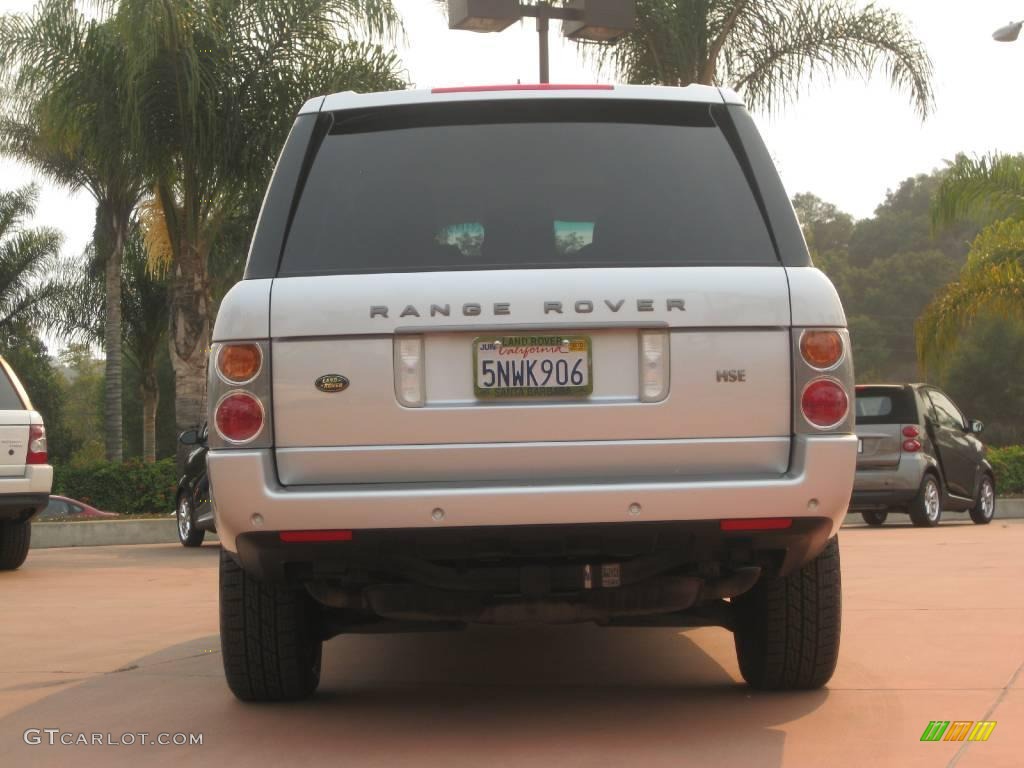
{"points": [[239, 363], [821, 349]]}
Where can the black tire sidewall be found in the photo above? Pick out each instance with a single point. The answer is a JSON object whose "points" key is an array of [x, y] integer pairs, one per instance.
{"points": [[15, 540], [917, 509], [874, 518], [781, 618]]}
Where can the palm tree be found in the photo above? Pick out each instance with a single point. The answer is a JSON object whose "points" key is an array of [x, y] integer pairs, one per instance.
{"points": [[27, 258], [213, 87], [990, 191], [767, 50], [145, 309], [64, 114], [80, 312]]}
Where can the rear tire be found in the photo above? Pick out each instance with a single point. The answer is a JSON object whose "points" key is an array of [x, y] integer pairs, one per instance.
{"points": [[268, 635], [15, 537], [787, 629], [873, 518], [984, 508], [926, 508], [188, 533]]}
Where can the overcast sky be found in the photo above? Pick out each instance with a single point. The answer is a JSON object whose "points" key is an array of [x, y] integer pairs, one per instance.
{"points": [[846, 141]]}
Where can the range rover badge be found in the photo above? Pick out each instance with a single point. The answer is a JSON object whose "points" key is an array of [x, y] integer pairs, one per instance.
{"points": [[332, 382]]}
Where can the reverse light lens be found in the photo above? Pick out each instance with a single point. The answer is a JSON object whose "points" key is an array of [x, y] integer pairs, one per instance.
{"points": [[911, 446], [821, 349], [239, 363], [239, 417], [653, 366], [409, 371], [824, 403], [911, 431], [36, 445]]}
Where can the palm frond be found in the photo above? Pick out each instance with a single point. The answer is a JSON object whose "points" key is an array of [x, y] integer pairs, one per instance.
{"points": [[768, 50], [991, 283], [28, 259], [155, 236], [778, 48], [980, 189]]}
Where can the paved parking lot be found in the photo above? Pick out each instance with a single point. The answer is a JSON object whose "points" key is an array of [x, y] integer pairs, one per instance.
{"points": [[124, 640]]}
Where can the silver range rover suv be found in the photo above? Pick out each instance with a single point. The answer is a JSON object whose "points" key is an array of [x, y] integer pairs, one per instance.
{"points": [[529, 355]]}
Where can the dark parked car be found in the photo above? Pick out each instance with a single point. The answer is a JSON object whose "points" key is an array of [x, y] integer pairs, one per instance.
{"points": [[194, 510], [920, 455]]}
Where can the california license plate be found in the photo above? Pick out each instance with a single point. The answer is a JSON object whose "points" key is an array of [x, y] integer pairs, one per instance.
{"points": [[532, 366]]}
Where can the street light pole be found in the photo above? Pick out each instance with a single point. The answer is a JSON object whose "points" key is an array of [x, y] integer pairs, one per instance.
{"points": [[543, 25]]}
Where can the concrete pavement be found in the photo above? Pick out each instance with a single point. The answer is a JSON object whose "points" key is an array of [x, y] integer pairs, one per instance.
{"points": [[124, 639]]}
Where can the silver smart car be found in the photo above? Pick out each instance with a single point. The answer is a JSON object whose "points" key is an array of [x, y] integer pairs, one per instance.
{"points": [[918, 454]]}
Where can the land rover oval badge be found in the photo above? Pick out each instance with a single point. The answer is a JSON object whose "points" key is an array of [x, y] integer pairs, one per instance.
{"points": [[332, 382]]}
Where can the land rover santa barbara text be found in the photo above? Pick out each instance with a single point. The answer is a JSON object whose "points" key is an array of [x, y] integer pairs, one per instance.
{"points": [[529, 355]]}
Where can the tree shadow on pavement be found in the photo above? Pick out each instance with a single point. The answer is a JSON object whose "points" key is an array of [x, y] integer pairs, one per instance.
{"points": [[564, 696]]}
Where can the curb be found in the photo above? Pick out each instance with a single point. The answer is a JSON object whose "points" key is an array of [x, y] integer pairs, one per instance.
{"points": [[1009, 508], [103, 533]]}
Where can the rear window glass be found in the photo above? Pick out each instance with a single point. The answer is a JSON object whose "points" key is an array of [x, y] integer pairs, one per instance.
{"points": [[9, 400], [886, 406], [525, 185]]}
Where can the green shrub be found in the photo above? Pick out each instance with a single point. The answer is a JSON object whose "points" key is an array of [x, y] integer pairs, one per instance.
{"points": [[1009, 466], [131, 488]]}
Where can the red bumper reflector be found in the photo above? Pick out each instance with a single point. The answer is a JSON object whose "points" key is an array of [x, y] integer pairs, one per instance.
{"points": [[532, 87], [295, 537], [758, 524]]}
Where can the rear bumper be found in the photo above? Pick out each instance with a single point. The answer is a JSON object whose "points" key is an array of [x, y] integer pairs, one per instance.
{"points": [[868, 500], [244, 483], [405, 553], [891, 486], [23, 496], [22, 506]]}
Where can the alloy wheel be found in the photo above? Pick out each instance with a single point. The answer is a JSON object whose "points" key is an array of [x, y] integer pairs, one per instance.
{"points": [[988, 498], [184, 518], [932, 502]]}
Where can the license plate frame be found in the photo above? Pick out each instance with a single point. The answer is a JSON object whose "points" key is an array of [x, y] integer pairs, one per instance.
{"points": [[554, 342]]}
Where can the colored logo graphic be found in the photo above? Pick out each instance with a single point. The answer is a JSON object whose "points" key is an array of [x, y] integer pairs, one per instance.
{"points": [[958, 730]]}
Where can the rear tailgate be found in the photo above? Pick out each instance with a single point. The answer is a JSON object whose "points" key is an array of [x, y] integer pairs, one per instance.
{"points": [[882, 413], [727, 409], [14, 429], [880, 445], [587, 222]]}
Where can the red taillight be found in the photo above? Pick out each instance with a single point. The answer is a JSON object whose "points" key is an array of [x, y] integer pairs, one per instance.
{"points": [[309, 536], [824, 403], [911, 446], [529, 87], [911, 431], [36, 445], [758, 524], [239, 417]]}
